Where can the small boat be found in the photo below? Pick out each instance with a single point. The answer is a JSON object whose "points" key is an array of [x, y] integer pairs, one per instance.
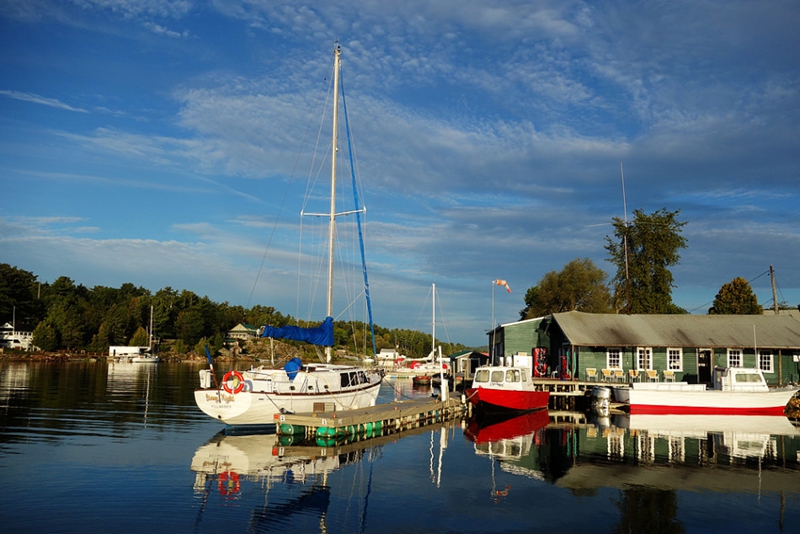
{"points": [[147, 356], [259, 395], [421, 380], [735, 391], [505, 388]]}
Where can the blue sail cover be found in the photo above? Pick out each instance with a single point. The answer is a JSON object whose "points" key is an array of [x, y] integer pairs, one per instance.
{"points": [[320, 335], [292, 367]]}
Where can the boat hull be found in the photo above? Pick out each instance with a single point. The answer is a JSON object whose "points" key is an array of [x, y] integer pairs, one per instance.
{"points": [[259, 408], [492, 399], [707, 402], [256, 396]]}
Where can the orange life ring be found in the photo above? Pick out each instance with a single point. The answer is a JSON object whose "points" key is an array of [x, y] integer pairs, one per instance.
{"points": [[229, 483], [238, 382]]}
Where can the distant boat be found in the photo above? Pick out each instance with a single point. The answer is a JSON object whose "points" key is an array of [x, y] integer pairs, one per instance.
{"points": [[499, 388], [735, 391], [422, 370], [259, 395], [421, 380], [147, 356]]}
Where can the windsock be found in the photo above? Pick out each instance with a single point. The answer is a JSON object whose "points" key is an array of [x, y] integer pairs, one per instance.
{"points": [[503, 283]]}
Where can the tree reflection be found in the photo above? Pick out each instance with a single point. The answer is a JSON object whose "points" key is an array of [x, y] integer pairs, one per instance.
{"points": [[644, 509]]}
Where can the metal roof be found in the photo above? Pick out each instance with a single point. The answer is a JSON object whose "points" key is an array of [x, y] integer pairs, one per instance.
{"points": [[701, 331]]}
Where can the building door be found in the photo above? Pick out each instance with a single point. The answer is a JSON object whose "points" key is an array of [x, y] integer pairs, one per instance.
{"points": [[704, 363]]}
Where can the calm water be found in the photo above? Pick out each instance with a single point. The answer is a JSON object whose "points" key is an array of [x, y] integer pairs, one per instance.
{"points": [[96, 447]]}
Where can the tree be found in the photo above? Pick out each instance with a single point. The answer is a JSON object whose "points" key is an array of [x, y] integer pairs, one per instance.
{"points": [[45, 337], [140, 338], [736, 298], [18, 297], [643, 251], [579, 286]]}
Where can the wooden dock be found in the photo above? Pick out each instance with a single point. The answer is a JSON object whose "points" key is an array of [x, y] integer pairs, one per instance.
{"points": [[375, 421]]}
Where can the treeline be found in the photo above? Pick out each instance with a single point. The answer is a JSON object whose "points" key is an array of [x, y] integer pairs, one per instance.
{"points": [[66, 316]]}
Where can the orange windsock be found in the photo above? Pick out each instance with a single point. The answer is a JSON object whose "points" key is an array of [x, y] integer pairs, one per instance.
{"points": [[503, 283]]}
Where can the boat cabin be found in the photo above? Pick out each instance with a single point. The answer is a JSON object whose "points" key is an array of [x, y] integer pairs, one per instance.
{"points": [[739, 379]]}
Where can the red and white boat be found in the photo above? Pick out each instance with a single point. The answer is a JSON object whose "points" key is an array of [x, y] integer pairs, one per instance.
{"points": [[504, 388], [735, 391]]}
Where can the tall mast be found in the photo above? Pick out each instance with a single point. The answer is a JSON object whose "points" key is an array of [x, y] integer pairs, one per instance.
{"points": [[433, 315], [332, 221]]}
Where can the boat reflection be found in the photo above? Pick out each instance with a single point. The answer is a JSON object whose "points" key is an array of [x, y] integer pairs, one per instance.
{"points": [[688, 452], [233, 459], [661, 452], [513, 442], [485, 429], [226, 464]]}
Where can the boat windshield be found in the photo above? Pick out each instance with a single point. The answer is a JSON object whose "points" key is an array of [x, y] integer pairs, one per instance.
{"points": [[482, 375], [747, 377]]}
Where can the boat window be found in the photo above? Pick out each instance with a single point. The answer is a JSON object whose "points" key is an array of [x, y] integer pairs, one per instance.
{"points": [[512, 375], [362, 377], [497, 376], [524, 375], [747, 377], [482, 375]]}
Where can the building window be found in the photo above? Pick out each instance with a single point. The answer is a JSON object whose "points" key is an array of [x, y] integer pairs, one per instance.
{"points": [[675, 359], [765, 360], [734, 358], [644, 358], [614, 359]]}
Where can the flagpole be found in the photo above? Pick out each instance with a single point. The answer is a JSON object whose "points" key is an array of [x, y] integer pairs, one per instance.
{"points": [[491, 338], [497, 282]]}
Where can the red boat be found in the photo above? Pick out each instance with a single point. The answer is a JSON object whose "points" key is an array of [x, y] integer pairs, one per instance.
{"points": [[505, 388]]}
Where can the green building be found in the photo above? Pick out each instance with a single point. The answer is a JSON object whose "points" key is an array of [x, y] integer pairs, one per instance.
{"points": [[610, 347]]}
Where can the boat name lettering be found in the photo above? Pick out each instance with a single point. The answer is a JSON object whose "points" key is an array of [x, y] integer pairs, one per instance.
{"points": [[221, 397]]}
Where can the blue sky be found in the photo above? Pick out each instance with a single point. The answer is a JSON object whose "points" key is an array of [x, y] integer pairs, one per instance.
{"points": [[151, 142]]}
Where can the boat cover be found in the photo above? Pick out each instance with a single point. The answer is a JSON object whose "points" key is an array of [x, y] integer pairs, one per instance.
{"points": [[319, 335]]}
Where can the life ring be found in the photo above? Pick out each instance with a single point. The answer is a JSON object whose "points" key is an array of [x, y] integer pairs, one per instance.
{"points": [[238, 382], [229, 482]]}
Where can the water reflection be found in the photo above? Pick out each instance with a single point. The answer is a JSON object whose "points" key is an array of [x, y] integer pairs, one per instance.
{"points": [[134, 436]]}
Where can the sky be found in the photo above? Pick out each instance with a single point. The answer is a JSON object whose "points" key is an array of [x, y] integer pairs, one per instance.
{"points": [[159, 143]]}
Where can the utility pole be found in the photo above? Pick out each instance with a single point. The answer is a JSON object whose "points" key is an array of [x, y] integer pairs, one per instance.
{"points": [[774, 293]]}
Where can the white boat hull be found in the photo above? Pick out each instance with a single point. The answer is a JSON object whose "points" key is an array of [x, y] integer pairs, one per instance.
{"points": [[675, 400], [267, 393]]}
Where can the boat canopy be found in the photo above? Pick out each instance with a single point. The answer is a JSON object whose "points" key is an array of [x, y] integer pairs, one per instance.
{"points": [[318, 335]]}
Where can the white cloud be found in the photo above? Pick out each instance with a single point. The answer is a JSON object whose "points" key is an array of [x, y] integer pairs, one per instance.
{"points": [[37, 99]]}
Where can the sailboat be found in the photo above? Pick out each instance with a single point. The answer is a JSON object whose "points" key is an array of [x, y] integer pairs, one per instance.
{"points": [[257, 396], [147, 357], [422, 370]]}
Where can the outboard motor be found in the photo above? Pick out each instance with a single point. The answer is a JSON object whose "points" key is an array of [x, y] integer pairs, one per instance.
{"points": [[601, 400]]}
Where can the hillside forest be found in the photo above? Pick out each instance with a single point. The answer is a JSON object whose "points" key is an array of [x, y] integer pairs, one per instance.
{"points": [[64, 316]]}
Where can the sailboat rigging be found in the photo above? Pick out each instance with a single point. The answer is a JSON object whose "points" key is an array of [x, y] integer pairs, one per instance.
{"points": [[258, 395]]}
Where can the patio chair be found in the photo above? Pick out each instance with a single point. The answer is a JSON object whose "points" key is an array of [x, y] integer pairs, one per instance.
{"points": [[619, 375], [633, 375], [652, 375], [608, 374], [591, 374], [669, 376]]}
